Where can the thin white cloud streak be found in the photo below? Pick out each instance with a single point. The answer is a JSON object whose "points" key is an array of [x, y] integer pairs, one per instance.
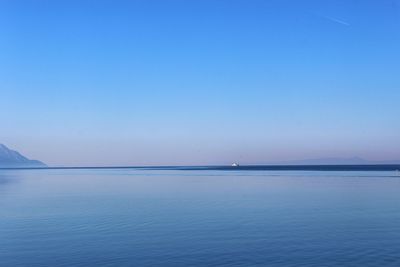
{"points": [[337, 20]]}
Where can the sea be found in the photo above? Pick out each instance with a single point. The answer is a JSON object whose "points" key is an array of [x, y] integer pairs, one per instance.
{"points": [[200, 217]]}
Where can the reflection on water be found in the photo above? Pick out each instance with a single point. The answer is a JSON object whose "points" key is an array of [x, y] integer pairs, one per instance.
{"points": [[126, 217], [7, 179]]}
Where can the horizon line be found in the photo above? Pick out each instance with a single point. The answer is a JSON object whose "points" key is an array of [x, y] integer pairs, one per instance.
{"points": [[255, 167]]}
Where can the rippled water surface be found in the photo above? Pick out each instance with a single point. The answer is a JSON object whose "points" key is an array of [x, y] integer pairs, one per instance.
{"points": [[128, 217]]}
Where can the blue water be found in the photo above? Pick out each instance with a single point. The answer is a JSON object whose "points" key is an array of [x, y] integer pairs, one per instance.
{"points": [[128, 217]]}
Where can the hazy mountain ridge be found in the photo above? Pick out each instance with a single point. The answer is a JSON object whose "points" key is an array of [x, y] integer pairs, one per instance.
{"points": [[13, 159]]}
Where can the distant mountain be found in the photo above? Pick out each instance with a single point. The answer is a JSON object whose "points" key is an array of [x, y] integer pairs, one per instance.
{"points": [[12, 159], [336, 161]]}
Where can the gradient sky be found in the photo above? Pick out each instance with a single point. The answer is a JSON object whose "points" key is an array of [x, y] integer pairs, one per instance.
{"points": [[199, 82]]}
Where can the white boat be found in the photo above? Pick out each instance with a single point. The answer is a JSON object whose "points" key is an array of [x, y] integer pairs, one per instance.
{"points": [[235, 165]]}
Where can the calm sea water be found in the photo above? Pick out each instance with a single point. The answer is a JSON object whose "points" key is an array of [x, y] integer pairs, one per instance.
{"points": [[128, 217]]}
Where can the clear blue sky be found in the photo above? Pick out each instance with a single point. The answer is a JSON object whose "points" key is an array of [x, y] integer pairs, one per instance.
{"points": [[199, 82]]}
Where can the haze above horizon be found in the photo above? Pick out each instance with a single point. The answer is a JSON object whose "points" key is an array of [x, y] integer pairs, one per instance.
{"points": [[94, 83]]}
